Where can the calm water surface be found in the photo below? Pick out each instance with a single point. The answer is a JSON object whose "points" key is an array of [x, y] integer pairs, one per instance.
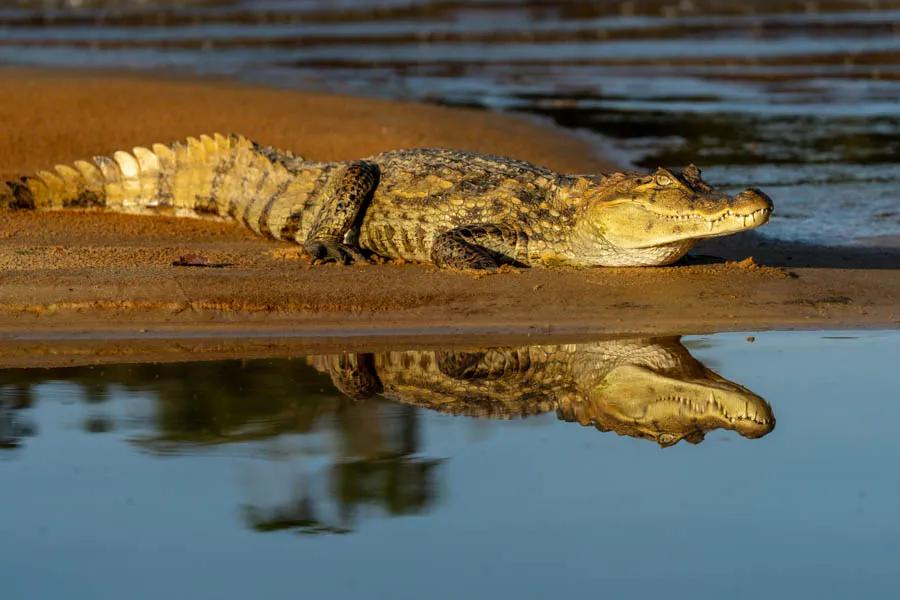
{"points": [[799, 98], [635, 468]]}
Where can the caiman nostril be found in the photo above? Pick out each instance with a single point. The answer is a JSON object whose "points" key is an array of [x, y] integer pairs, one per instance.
{"points": [[752, 198]]}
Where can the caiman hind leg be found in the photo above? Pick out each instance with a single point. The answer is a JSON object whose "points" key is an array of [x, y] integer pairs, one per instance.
{"points": [[16, 195], [336, 227], [478, 247]]}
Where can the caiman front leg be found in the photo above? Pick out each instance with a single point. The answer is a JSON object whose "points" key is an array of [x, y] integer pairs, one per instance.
{"points": [[336, 226], [354, 375], [491, 364], [478, 247]]}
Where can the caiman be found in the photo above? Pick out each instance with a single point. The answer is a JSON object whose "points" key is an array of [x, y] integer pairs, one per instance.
{"points": [[646, 388], [451, 208]]}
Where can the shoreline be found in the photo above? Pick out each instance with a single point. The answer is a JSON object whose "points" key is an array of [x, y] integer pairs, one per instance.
{"points": [[96, 348], [62, 273]]}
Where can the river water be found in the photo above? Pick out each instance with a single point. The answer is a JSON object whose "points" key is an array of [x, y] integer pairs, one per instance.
{"points": [[527, 472], [801, 99]]}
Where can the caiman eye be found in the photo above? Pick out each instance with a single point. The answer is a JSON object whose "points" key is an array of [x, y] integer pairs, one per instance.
{"points": [[663, 180]]}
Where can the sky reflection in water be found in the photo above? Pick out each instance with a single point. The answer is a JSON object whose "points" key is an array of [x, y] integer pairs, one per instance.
{"points": [[230, 479]]}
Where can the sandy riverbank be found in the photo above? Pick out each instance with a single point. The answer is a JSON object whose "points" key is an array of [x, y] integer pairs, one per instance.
{"points": [[71, 274]]}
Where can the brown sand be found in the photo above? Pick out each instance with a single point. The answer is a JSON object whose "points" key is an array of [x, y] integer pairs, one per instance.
{"points": [[101, 275]]}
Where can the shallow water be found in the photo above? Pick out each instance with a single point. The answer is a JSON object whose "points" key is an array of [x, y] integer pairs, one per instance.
{"points": [[799, 98], [257, 478]]}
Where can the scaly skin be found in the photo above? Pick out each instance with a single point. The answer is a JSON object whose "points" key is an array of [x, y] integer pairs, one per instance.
{"points": [[647, 388], [452, 208]]}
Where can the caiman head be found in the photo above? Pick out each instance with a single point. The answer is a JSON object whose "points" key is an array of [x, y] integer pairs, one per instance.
{"points": [[634, 220], [662, 393]]}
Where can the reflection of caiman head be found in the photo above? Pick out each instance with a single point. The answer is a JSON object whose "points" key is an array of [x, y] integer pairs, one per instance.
{"points": [[664, 394], [647, 388]]}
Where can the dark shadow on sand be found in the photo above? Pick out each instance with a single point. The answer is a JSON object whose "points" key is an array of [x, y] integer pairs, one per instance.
{"points": [[779, 253]]}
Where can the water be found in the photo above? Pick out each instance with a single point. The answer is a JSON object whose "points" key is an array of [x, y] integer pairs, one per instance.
{"points": [[259, 478], [799, 98]]}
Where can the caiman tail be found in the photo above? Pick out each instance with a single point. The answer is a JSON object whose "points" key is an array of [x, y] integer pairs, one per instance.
{"points": [[221, 177]]}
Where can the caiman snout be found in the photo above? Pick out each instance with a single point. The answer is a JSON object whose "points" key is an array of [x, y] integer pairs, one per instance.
{"points": [[751, 200], [747, 210]]}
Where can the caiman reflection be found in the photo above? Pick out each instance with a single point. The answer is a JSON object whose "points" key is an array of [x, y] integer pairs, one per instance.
{"points": [[646, 388], [332, 459]]}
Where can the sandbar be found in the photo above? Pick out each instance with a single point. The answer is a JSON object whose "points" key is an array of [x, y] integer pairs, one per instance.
{"points": [[88, 275]]}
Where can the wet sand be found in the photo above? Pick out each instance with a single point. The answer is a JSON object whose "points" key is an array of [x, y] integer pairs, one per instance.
{"points": [[90, 275]]}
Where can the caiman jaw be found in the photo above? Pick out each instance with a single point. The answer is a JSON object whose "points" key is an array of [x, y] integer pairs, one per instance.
{"points": [[741, 221], [725, 223]]}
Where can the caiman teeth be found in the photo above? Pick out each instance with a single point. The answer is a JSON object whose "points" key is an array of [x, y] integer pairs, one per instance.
{"points": [[726, 215]]}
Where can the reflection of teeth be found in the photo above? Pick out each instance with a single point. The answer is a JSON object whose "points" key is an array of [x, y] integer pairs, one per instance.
{"points": [[712, 404]]}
